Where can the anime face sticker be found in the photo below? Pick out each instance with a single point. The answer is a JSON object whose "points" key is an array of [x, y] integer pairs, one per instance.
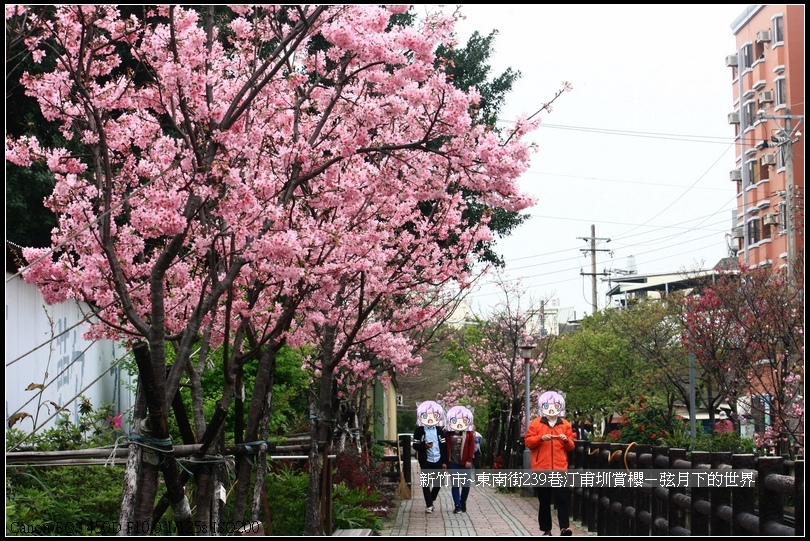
{"points": [[551, 404], [430, 413], [459, 418]]}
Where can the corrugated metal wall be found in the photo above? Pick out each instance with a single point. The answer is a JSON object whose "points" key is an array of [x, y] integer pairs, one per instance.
{"points": [[45, 346]]}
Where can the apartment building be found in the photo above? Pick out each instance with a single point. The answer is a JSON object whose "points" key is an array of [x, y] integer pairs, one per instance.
{"points": [[767, 79]]}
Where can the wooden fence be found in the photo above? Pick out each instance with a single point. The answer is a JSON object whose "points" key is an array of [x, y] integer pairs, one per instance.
{"points": [[394, 462], [772, 505]]}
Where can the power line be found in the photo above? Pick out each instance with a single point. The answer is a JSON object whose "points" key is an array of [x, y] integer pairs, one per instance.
{"points": [[568, 270], [711, 139], [615, 239], [645, 183], [647, 135]]}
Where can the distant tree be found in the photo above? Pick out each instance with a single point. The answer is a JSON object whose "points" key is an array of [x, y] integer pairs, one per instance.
{"points": [[653, 328], [637, 351], [598, 368], [492, 378], [761, 316], [469, 70], [28, 220]]}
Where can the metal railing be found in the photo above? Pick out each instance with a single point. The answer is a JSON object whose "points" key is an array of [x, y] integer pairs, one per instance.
{"points": [[773, 504]]}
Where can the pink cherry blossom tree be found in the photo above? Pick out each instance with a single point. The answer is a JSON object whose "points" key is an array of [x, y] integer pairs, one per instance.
{"points": [[761, 353], [494, 379], [248, 179]]}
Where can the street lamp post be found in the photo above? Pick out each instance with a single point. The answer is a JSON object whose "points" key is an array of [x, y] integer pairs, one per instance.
{"points": [[526, 354]]}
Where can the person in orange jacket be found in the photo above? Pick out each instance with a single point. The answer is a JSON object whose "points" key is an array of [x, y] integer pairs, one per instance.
{"points": [[550, 439]]}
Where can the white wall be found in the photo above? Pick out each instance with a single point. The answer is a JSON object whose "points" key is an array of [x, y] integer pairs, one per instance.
{"points": [[44, 345]]}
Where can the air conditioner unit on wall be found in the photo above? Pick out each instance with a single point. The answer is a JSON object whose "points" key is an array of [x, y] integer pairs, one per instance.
{"points": [[766, 96], [737, 233], [768, 159], [763, 36], [735, 174], [734, 118], [771, 219], [731, 61]]}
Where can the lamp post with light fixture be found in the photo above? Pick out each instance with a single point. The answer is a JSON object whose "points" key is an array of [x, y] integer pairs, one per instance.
{"points": [[526, 354]]}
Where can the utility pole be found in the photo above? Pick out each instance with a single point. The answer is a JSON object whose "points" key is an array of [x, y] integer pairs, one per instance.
{"points": [[593, 274], [784, 140], [745, 174], [791, 205], [542, 319]]}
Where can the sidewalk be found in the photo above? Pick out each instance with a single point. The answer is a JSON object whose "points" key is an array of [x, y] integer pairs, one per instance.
{"points": [[489, 513]]}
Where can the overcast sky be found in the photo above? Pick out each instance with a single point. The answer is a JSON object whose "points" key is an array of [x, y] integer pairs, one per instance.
{"points": [[640, 148]]}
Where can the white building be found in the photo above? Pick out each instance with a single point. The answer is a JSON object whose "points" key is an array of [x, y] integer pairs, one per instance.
{"points": [[50, 366]]}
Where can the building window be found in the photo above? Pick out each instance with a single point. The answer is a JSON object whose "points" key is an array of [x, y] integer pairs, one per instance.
{"points": [[780, 92], [763, 172], [780, 157], [750, 114], [751, 173], [778, 30], [782, 211], [757, 413], [754, 231], [759, 52], [746, 56]]}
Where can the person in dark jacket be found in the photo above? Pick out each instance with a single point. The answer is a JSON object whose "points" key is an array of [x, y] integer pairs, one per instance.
{"points": [[460, 437], [477, 457], [550, 439], [431, 450]]}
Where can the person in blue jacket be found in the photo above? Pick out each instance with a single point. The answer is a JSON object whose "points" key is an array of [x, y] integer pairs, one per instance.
{"points": [[430, 447]]}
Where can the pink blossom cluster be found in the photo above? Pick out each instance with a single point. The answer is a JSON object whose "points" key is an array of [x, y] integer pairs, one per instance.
{"points": [[259, 185]]}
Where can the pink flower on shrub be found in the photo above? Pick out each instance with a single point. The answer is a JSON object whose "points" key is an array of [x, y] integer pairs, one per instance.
{"points": [[115, 422]]}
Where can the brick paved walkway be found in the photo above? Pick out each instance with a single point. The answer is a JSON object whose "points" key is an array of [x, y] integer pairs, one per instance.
{"points": [[489, 513]]}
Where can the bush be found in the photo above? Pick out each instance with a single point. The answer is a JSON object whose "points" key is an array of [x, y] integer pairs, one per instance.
{"points": [[287, 491], [358, 470], [359, 497], [40, 498], [648, 424], [97, 427], [730, 441], [680, 437], [727, 441], [351, 508], [63, 495]]}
